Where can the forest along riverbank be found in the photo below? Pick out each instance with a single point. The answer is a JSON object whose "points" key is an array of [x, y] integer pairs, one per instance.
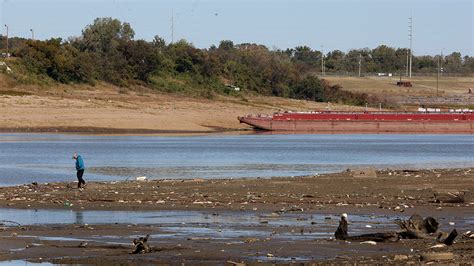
{"points": [[241, 220]]}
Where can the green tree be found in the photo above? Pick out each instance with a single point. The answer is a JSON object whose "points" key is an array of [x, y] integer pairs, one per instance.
{"points": [[142, 59], [310, 88], [105, 35], [384, 58], [453, 63], [226, 45]]}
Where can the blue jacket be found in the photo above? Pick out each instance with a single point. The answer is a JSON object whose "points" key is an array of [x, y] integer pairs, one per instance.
{"points": [[79, 163]]}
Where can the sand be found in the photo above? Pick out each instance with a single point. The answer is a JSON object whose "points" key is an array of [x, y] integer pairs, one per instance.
{"points": [[107, 109]]}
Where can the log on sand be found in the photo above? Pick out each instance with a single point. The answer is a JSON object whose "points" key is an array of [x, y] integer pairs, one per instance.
{"points": [[450, 197], [414, 228]]}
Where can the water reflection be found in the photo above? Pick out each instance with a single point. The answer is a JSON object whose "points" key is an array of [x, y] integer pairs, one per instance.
{"points": [[79, 217]]}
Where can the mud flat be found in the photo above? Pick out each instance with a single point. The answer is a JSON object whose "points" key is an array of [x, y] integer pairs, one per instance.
{"points": [[230, 221]]}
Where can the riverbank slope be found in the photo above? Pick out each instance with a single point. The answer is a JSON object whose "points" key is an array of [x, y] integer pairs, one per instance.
{"points": [[107, 109]]}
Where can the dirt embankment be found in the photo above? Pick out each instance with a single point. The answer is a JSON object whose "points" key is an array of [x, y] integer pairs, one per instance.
{"points": [[387, 193], [107, 109]]}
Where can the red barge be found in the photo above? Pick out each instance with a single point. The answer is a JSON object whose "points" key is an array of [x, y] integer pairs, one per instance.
{"points": [[365, 122]]}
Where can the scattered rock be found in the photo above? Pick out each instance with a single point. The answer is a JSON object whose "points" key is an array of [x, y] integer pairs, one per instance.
{"points": [[251, 240], [369, 243], [364, 172], [425, 256], [400, 257], [229, 262], [140, 178]]}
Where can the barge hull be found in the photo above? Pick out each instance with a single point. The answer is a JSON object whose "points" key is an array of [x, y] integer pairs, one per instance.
{"points": [[361, 126]]}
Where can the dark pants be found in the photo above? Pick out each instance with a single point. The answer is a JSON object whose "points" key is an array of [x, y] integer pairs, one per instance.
{"points": [[81, 183]]}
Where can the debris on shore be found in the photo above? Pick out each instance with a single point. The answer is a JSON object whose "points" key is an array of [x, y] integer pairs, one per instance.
{"points": [[413, 228], [390, 193], [140, 245]]}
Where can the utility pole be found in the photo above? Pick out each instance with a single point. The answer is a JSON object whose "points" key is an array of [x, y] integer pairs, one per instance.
{"points": [[8, 55], [172, 26], [360, 63], [441, 70], [410, 35], [437, 77], [323, 72], [406, 67], [32, 34]]}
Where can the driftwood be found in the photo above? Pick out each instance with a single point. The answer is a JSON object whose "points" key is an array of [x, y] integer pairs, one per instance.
{"points": [[140, 245], [450, 239], [414, 228], [450, 197], [429, 256], [5, 222], [417, 228], [342, 233]]}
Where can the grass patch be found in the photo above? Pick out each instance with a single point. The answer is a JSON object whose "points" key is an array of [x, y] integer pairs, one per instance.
{"points": [[24, 77], [386, 86], [189, 85], [14, 93]]}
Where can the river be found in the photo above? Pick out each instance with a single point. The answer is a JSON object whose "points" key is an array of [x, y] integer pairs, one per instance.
{"points": [[25, 158]]}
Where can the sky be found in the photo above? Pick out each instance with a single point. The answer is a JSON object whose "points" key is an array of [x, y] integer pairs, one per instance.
{"points": [[438, 25]]}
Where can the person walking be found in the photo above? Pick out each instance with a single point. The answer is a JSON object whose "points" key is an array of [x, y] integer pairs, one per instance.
{"points": [[80, 170]]}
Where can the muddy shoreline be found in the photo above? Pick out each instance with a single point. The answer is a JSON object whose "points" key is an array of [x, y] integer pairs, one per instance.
{"points": [[119, 131], [288, 219]]}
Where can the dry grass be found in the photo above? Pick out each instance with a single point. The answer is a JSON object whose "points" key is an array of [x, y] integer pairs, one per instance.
{"points": [[422, 86]]}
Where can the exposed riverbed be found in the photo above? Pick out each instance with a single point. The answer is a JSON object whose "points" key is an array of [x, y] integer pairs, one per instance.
{"points": [[242, 220]]}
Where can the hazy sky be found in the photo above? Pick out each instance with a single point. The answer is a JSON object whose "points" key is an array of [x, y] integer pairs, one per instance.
{"points": [[338, 24]]}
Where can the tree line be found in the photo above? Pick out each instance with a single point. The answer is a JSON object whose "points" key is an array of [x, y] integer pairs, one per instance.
{"points": [[107, 51], [382, 59]]}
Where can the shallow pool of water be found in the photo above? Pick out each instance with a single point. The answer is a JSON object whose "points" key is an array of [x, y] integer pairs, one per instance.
{"points": [[43, 216], [224, 225], [23, 263]]}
